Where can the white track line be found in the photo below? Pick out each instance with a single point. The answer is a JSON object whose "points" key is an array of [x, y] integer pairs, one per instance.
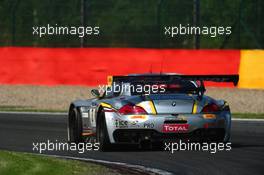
{"points": [[65, 114], [248, 119], [139, 168], [34, 113]]}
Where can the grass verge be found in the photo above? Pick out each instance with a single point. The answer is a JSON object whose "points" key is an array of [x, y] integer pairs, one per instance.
{"points": [[13, 163], [248, 116]]}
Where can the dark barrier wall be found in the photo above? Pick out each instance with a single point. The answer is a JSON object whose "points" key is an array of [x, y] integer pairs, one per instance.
{"points": [[91, 66], [133, 23]]}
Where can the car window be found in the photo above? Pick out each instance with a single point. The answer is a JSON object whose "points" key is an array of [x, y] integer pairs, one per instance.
{"points": [[177, 86]]}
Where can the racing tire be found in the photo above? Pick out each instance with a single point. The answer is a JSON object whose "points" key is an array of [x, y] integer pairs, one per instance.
{"points": [[220, 137], [75, 126], [102, 134]]}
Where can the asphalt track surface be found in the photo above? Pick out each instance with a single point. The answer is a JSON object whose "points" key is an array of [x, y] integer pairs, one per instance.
{"points": [[19, 131]]}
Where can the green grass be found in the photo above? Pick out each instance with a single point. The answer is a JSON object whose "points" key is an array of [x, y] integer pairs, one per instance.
{"points": [[248, 115], [13, 163]]}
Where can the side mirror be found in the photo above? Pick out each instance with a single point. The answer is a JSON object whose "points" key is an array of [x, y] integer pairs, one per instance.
{"points": [[95, 93]]}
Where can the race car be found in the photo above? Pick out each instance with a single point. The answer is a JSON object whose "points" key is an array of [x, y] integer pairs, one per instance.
{"points": [[151, 108]]}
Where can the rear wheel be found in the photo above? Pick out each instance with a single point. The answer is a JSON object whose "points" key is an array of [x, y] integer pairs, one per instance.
{"points": [[75, 126], [102, 134], [220, 136]]}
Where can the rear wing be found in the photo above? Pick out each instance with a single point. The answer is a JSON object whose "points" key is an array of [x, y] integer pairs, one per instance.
{"points": [[234, 78], [215, 78]]}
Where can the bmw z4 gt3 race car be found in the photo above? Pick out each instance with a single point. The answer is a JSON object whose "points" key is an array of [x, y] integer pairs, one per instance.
{"points": [[151, 107]]}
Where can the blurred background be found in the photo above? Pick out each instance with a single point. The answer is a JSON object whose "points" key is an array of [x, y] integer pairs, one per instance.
{"points": [[34, 70], [133, 23]]}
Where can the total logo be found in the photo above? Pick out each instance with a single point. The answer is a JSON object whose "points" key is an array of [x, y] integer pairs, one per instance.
{"points": [[175, 128]]}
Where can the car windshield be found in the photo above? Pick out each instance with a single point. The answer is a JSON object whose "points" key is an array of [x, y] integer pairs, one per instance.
{"points": [[152, 87], [177, 86]]}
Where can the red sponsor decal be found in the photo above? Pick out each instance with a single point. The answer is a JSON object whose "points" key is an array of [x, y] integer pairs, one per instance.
{"points": [[177, 128]]}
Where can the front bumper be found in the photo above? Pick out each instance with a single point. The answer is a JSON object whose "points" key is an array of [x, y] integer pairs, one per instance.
{"points": [[135, 128]]}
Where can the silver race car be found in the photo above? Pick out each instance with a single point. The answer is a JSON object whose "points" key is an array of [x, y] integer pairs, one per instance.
{"points": [[151, 108]]}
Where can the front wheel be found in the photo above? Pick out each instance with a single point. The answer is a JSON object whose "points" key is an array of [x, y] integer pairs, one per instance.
{"points": [[75, 126], [102, 134]]}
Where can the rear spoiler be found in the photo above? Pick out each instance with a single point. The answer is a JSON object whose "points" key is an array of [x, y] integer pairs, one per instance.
{"points": [[215, 78], [167, 77]]}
